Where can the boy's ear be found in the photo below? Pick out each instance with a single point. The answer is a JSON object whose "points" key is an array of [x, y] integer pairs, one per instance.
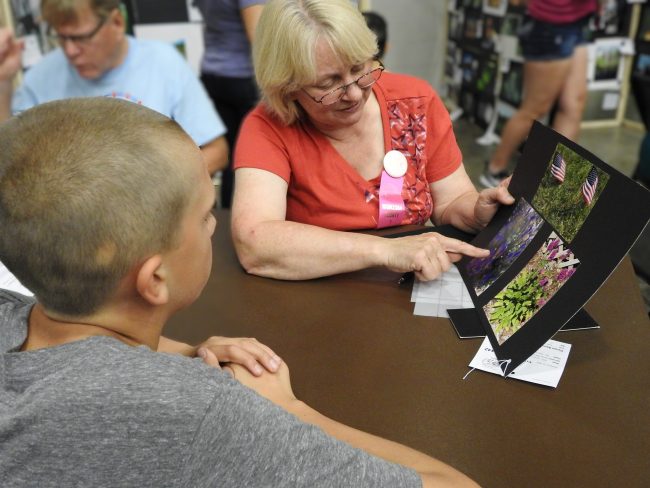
{"points": [[151, 281]]}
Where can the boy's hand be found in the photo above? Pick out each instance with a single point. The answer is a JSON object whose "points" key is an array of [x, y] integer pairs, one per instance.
{"points": [[247, 352], [274, 387]]}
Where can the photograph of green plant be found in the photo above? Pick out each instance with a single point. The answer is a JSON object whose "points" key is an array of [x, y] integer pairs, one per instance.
{"points": [[569, 190], [548, 270]]}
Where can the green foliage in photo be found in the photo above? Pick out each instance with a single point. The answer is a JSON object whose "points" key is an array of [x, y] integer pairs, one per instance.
{"points": [[515, 304], [547, 271]]}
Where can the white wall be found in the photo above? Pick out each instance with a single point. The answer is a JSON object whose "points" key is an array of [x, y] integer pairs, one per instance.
{"points": [[417, 32]]}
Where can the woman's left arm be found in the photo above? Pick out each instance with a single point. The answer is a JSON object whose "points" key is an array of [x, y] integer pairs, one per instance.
{"points": [[457, 202]]}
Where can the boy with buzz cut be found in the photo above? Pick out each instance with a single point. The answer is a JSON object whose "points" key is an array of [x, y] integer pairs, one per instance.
{"points": [[106, 215]]}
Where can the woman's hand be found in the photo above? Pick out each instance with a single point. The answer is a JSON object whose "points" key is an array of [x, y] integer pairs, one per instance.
{"points": [[489, 201], [427, 255]]}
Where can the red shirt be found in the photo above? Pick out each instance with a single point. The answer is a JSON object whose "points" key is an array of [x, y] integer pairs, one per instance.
{"points": [[561, 11], [323, 189]]}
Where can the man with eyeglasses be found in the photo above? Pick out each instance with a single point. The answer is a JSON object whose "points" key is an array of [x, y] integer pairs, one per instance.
{"points": [[97, 58]]}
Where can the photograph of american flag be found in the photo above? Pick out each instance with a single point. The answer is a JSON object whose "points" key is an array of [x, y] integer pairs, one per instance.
{"points": [[569, 191], [558, 167], [590, 185]]}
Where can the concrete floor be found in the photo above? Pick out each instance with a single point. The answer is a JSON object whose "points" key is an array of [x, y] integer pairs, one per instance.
{"points": [[618, 147]]}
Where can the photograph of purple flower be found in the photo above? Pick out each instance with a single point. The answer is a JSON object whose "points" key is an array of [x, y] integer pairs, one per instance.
{"points": [[505, 247], [551, 267]]}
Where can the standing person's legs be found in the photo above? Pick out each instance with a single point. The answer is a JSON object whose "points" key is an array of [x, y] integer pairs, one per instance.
{"points": [[573, 96], [233, 98], [554, 69], [543, 81]]}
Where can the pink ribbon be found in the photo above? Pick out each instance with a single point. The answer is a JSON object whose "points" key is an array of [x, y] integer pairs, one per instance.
{"points": [[391, 204]]}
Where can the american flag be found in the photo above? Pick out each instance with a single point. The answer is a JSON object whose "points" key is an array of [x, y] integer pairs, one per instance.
{"points": [[590, 185], [558, 167]]}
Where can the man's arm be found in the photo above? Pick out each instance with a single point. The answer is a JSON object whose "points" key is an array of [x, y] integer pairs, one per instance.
{"points": [[215, 154], [10, 62], [277, 388], [250, 16]]}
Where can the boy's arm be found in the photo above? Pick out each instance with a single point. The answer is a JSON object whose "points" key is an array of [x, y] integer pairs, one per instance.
{"points": [[277, 388], [244, 351]]}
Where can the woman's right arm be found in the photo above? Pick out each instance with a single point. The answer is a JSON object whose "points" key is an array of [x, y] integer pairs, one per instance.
{"points": [[269, 245]]}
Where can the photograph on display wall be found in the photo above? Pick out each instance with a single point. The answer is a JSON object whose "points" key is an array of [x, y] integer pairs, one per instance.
{"points": [[613, 18], [551, 267], [487, 75], [505, 247], [473, 26], [495, 7], [569, 190], [470, 65], [512, 84], [491, 26], [605, 65], [510, 24]]}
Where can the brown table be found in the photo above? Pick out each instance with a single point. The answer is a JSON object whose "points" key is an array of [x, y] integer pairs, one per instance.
{"points": [[359, 355]]}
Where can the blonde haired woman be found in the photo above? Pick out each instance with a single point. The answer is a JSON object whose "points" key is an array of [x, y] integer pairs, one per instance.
{"points": [[337, 145]]}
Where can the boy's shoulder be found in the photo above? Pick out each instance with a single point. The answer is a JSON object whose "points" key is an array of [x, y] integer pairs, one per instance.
{"points": [[14, 312]]}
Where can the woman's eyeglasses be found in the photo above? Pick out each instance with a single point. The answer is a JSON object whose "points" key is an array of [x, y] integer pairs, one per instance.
{"points": [[364, 81]]}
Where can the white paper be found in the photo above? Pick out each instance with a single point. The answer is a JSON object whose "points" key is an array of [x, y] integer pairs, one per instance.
{"points": [[9, 282], [433, 298], [610, 101], [545, 367], [31, 51]]}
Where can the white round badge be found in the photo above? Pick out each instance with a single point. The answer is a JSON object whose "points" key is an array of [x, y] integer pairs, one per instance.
{"points": [[395, 164]]}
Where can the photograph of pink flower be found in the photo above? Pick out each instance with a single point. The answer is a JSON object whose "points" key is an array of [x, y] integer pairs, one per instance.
{"points": [[549, 269]]}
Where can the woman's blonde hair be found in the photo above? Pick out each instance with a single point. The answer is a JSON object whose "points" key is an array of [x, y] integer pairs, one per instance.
{"points": [[285, 45]]}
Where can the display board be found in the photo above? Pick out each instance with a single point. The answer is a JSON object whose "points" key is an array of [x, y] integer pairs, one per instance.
{"points": [[484, 67], [574, 219]]}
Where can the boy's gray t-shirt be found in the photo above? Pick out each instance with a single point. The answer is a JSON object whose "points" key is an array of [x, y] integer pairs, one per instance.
{"points": [[100, 413]]}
